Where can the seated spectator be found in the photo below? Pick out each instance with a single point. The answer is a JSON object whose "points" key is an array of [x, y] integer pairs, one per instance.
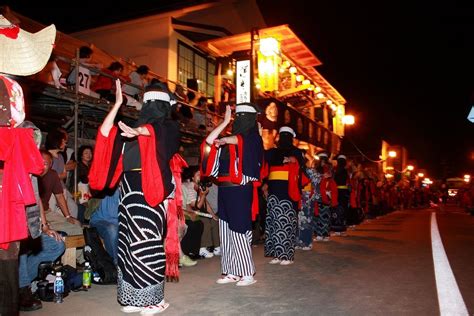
{"points": [[191, 242], [50, 186], [212, 205], [83, 166], [199, 113], [138, 78], [105, 85], [210, 235], [48, 247], [105, 220], [184, 260], [196, 201], [85, 59], [56, 141], [51, 73]]}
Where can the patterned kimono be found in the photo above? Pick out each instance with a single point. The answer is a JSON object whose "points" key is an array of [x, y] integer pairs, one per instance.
{"points": [[144, 194], [283, 197], [310, 209], [329, 196], [237, 174]]}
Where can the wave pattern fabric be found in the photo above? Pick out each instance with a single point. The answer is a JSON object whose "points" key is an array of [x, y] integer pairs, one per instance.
{"points": [[323, 221], [281, 228], [141, 254]]}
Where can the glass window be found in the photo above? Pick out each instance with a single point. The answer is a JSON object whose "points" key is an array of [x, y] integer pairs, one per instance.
{"points": [[193, 65]]}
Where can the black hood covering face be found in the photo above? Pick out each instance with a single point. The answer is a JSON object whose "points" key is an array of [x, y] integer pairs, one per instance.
{"points": [[156, 111], [243, 123], [153, 112], [285, 141]]}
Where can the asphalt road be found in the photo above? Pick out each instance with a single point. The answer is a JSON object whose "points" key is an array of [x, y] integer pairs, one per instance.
{"points": [[383, 267]]}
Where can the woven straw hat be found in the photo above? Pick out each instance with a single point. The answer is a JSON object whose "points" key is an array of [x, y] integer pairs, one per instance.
{"points": [[23, 53]]}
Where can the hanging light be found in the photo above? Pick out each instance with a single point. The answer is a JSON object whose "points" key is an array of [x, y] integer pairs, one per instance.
{"points": [[311, 88], [286, 64], [299, 78], [230, 72], [317, 89], [320, 95], [333, 107], [306, 82], [293, 70], [269, 46], [329, 102]]}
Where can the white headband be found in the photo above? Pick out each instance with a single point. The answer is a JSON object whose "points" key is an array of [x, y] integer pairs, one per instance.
{"points": [[157, 95], [322, 155], [341, 157], [288, 130], [245, 108]]}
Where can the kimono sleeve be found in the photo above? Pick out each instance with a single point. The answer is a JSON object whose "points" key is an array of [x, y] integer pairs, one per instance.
{"points": [[209, 160], [252, 155], [107, 163]]}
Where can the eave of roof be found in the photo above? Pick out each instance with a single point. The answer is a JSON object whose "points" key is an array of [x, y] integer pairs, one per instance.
{"points": [[291, 46]]}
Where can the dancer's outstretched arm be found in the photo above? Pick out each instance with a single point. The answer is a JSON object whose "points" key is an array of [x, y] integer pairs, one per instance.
{"points": [[109, 119], [216, 132]]}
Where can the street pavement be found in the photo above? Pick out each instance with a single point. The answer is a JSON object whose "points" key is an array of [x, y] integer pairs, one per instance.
{"points": [[383, 267]]}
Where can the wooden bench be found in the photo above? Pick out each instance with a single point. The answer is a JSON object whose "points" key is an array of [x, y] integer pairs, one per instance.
{"points": [[71, 243]]}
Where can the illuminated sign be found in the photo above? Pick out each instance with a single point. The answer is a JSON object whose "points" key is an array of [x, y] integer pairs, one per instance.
{"points": [[243, 82]]}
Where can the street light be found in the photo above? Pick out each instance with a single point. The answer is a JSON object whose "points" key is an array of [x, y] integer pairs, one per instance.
{"points": [[348, 119], [410, 168], [392, 154]]}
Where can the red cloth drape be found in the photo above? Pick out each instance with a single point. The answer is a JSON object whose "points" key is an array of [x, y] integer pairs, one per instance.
{"points": [[21, 158], [173, 219]]}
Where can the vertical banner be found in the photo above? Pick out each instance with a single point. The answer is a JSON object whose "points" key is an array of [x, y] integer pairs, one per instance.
{"points": [[243, 82]]}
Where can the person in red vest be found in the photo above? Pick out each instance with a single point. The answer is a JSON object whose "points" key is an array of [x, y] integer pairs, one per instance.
{"points": [[236, 161], [284, 193], [328, 189]]}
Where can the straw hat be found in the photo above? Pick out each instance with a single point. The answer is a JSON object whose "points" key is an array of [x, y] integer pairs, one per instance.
{"points": [[23, 53]]}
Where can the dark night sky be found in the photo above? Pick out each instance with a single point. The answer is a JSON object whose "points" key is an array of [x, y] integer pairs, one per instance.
{"points": [[406, 68]]}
